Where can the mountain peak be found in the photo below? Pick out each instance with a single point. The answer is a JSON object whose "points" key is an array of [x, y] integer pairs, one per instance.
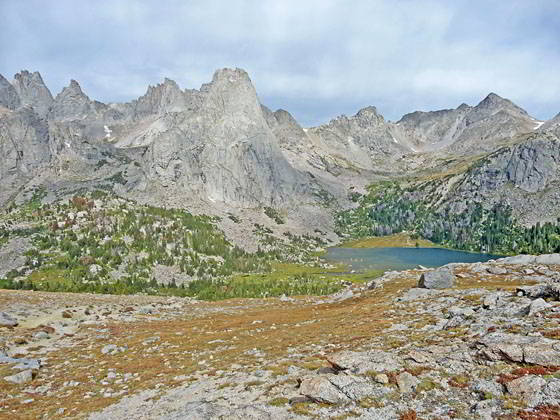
{"points": [[32, 91], [493, 104], [230, 74], [170, 82], [369, 116], [493, 97], [159, 99], [493, 100], [231, 90], [72, 103], [74, 86], [367, 111]]}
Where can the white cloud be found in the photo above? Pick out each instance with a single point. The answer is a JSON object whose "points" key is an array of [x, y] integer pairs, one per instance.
{"points": [[314, 58]]}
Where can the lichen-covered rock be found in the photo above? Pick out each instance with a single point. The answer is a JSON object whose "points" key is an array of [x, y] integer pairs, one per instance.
{"points": [[407, 382], [320, 389], [538, 305], [518, 348], [525, 386], [544, 290], [362, 362]]}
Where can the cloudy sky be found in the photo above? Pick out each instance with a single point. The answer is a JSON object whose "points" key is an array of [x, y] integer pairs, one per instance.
{"points": [[317, 59]]}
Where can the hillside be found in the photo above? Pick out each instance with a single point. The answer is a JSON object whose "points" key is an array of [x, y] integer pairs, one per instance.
{"points": [[485, 346]]}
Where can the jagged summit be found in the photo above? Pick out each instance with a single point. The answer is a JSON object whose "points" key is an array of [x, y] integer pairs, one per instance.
{"points": [[74, 86], [32, 91], [72, 103], [159, 99], [233, 75], [370, 114]]}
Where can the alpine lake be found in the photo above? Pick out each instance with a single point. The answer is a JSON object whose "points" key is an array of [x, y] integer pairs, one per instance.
{"points": [[387, 258]]}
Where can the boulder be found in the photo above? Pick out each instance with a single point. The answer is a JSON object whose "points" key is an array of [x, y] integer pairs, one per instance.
{"points": [[407, 382], [362, 362], [442, 278], [21, 377], [320, 389], [494, 269], [538, 305], [7, 321], [542, 290]]}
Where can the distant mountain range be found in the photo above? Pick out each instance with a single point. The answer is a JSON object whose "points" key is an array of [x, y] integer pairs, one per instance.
{"points": [[218, 150]]}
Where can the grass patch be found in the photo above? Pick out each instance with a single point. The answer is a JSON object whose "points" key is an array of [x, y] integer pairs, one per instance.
{"points": [[278, 402], [427, 385], [401, 240]]}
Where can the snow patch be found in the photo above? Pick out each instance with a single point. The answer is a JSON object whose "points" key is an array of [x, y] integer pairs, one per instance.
{"points": [[108, 132], [394, 139], [538, 125]]}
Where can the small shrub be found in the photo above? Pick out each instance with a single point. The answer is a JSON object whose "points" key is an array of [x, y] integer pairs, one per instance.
{"points": [[274, 215], [459, 381], [408, 415]]}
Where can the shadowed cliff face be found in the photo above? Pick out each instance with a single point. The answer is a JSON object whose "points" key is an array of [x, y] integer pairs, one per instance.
{"points": [[24, 148], [32, 91], [220, 147]]}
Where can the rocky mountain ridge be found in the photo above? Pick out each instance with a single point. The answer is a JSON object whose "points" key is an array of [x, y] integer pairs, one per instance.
{"points": [[218, 149]]}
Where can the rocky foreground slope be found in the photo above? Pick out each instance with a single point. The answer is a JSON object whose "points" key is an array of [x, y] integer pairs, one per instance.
{"points": [[486, 346]]}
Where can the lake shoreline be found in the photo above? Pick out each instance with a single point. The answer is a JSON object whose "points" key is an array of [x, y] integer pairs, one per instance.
{"points": [[401, 258]]}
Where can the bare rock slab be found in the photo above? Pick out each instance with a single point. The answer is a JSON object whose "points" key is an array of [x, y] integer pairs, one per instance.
{"points": [[442, 278], [21, 377], [362, 362], [320, 389], [522, 349]]}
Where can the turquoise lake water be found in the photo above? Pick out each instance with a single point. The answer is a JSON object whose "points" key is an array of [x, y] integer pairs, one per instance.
{"points": [[361, 259]]}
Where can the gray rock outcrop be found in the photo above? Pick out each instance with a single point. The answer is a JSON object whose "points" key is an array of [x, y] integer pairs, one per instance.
{"points": [[521, 349], [442, 278]]}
